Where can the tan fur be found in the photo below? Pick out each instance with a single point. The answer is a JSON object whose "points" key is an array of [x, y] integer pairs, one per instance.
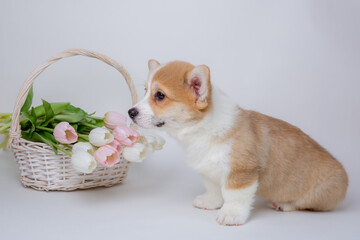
{"points": [[172, 81], [289, 166]]}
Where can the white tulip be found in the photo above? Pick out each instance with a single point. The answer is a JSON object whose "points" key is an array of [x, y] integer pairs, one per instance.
{"points": [[100, 137], [136, 153], [160, 142], [147, 143], [84, 147], [83, 162], [153, 142]]}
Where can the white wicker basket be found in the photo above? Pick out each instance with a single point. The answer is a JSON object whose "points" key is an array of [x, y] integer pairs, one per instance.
{"points": [[39, 167]]}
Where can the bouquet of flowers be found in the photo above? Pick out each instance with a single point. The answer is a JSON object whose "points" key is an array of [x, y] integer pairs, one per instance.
{"points": [[87, 139]]}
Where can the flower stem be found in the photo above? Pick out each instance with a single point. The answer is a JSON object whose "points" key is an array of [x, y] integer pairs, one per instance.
{"points": [[61, 149], [92, 126], [96, 118], [45, 129], [81, 139], [5, 127], [84, 137], [69, 146]]}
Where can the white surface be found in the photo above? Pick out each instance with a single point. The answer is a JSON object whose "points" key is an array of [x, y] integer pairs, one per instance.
{"points": [[295, 60]]}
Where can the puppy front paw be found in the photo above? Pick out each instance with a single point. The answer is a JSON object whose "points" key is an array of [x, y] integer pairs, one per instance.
{"points": [[208, 201], [233, 215]]}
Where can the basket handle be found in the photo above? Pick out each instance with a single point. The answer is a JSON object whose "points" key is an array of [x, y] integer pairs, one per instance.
{"points": [[15, 129]]}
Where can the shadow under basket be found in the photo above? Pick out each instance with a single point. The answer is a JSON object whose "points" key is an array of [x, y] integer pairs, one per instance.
{"points": [[39, 167]]}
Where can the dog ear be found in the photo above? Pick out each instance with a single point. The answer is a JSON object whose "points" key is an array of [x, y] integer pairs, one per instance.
{"points": [[152, 64], [198, 81]]}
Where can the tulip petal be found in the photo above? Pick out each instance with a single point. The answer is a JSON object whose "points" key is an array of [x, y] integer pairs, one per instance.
{"points": [[114, 119], [83, 162], [117, 145], [136, 153], [65, 133], [152, 141], [100, 137], [126, 135], [107, 155], [83, 146]]}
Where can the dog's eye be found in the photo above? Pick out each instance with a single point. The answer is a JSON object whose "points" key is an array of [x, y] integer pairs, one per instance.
{"points": [[159, 96]]}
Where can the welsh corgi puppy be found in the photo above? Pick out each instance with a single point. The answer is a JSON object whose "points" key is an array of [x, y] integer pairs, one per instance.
{"points": [[237, 152]]}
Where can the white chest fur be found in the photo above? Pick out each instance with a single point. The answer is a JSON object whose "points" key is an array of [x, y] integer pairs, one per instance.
{"points": [[208, 159], [202, 153]]}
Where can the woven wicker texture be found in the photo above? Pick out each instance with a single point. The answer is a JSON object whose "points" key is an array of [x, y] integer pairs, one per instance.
{"points": [[39, 167]]}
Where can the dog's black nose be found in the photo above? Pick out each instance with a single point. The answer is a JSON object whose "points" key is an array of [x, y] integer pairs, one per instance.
{"points": [[133, 112]]}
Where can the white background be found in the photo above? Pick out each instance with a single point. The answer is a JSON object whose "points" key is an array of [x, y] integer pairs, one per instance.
{"points": [[294, 60]]}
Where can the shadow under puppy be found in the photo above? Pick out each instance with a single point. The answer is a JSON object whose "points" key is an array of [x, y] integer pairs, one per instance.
{"points": [[237, 152]]}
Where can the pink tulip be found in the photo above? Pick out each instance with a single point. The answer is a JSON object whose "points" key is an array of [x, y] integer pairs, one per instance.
{"points": [[65, 133], [107, 155], [114, 119], [117, 145], [126, 135]]}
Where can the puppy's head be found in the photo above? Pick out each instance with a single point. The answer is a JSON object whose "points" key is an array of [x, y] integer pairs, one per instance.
{"points": [[178, 94]]}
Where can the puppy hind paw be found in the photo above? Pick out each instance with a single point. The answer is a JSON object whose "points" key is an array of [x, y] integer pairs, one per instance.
{"points": [[282, 207], [208, 202], [272, 205]]}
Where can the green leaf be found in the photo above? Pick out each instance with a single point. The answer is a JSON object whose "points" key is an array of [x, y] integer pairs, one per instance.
{"points": [[82, 129], [75, 126], [70, 118], [42, 137], [49, 113], [89, 120], [4, 126], [99, 123], [28, 101], [71, 109], [25, 135], [49, 136], [5, 117], [71, 114], [32, 113], [28, 122], [57, 108]]}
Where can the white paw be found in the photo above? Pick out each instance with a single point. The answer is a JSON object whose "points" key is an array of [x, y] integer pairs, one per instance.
{"points": [[233, 215], [208, 201]]}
